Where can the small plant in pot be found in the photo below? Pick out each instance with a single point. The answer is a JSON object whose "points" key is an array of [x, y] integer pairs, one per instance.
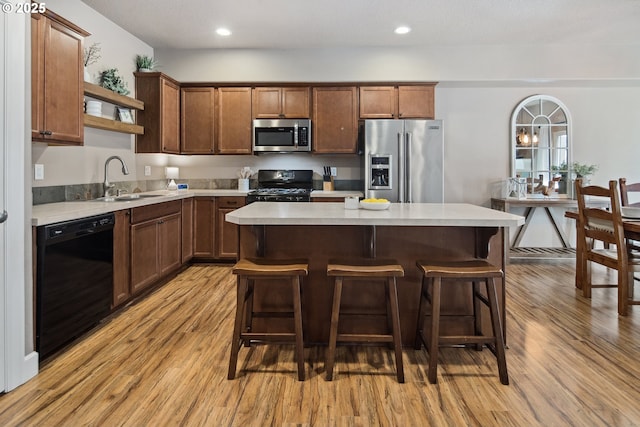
{"points": [[583, 170], [145, 63], [110, 79]]}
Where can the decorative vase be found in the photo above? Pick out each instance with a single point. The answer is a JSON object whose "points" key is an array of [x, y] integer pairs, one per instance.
{"points": [[87, 75], [145, 70]]}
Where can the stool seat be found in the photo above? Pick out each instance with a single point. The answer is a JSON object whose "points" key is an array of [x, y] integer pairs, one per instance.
{"points": [[366, 270], [460, 269], [434, 273], [248, 270], [271, 267]]}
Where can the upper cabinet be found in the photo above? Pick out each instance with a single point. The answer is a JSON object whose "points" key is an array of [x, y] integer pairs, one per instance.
{"points": [[56, 80], [335, 119], [281, 102], [397, 102], [234, 120], [161, 115], [197, 120]]}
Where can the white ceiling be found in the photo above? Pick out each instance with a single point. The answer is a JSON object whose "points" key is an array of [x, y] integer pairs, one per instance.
{"points": [[369, 23]]}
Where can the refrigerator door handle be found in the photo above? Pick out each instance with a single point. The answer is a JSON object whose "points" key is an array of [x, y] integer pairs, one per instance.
{"points": [[401, 169], [407, 176]]}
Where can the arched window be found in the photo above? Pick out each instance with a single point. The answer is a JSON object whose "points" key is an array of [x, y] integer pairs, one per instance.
{"points": [[541, 144]]}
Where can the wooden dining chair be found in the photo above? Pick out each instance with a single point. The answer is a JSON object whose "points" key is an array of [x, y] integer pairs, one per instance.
{"points": [[604, 226], [625, 189]]}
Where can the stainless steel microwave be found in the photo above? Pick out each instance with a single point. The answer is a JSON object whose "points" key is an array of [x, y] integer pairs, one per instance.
{"points": [[281, 135]]}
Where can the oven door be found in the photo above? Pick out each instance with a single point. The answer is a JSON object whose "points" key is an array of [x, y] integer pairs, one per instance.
{"points": [[281, 136]]}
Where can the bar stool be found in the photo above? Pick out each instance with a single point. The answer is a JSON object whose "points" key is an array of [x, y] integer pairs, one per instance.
{"points": [[372, 270], [249, 270], [472, 270]]}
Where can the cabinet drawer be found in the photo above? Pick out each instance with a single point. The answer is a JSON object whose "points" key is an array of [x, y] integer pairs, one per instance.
{"points": [[144, 213], [231, 202]]}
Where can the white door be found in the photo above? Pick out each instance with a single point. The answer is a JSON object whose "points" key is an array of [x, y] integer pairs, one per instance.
{"points": [[18, 361]]}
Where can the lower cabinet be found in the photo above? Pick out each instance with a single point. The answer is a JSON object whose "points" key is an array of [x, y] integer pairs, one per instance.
{"points": [[187, 229], [121, 258], [155, 230], [214, 238], [227, 232]]}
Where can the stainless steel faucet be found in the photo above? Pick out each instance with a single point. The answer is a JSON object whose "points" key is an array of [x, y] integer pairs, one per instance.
{"points": [[106, 185]]}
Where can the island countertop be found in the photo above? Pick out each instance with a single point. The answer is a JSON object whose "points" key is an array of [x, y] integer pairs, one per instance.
{"points": [[398, 214]]}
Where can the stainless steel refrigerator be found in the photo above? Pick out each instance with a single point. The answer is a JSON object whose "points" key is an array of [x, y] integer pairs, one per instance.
{"points": [[403, 160]]}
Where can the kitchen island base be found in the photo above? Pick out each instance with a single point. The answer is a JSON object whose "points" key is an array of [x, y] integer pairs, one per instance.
{"points": [[406, 244]]}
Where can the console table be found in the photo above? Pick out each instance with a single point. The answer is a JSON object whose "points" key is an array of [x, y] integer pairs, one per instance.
{"points": [[530, 206]]}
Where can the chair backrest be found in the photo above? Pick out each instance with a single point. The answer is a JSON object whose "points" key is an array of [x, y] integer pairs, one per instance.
{"points": [[601, 224], [628, 188]]}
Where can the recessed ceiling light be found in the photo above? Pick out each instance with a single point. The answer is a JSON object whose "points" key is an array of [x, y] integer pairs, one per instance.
{"points": [[402, 30], [223, 32]]}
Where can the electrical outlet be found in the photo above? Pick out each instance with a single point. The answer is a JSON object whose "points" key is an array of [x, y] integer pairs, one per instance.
{"points": [[334, 171], [38, 172], [147, 171]]}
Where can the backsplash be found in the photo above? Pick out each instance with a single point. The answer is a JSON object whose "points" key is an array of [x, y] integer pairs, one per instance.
{"points": [[69, 193]]}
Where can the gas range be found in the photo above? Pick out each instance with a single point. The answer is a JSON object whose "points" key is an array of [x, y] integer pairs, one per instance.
{"points": [[282, 186]]}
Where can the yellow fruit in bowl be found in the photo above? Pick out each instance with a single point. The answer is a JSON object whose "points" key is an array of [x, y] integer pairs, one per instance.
{"points": [[373, 200]]}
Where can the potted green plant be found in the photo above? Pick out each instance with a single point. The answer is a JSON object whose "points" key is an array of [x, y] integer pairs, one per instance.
{"points": [[583, 170], [109, 79], [145, 63]]}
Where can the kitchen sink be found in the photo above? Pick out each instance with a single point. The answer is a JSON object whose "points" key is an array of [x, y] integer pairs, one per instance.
{"points": [[125, 197]]}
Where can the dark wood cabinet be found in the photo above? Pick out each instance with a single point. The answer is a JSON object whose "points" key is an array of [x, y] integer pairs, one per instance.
{"points": [[204, 221], [161, 115], [197, 120], [121, 258], [397, 102], [155, 249], [227, 232], [56, 80], [234, 120], [335, 119], [281, 102], [187, 229]]}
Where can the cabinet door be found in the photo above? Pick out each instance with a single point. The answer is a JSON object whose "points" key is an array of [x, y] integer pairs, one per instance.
{"points": [[169, 234], [37, 76], [335, 120], [234, 120], [197, 120], [204, 227], [267, 103], [121, 259], [58, 91], [416, 102], [227, 232], [378, 102], [170, 117], [187, 229], [295, 102], [145, 246]]}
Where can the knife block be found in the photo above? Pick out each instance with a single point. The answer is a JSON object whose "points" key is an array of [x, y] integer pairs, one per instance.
{"points": [[327, 183]]}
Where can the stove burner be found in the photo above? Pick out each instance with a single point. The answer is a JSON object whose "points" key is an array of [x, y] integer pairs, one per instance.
{"points": [[276, 185], [279, 195]]}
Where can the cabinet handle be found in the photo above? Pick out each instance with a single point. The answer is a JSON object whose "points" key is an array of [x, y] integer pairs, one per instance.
{"points": [[45, 132]]}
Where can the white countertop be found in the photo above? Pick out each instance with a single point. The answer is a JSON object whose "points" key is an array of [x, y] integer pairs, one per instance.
{"points": [[415, 214], [65, 211]]}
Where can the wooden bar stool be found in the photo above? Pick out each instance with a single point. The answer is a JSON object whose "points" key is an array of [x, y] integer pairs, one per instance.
{"points": [[372, 270], [249, 270], [472, 270]]}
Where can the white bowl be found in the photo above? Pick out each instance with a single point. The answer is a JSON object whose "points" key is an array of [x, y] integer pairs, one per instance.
{"points": [[374, 206], [630, 212]]}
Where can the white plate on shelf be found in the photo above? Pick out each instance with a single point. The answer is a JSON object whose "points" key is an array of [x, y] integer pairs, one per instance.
{"points": [[374, 206], [630, 213]]}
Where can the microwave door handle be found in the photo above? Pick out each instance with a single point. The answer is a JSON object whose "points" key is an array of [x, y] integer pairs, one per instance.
{"points": [[408, 166], [401, 166], [295, 135]]}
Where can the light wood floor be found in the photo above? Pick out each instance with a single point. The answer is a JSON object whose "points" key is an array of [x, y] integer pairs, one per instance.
{"points": [[163, 362]]}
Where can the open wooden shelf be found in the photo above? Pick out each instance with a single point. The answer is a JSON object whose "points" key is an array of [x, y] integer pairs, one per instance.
{"points": [[98, 92], [113, 125], [107, 95]]}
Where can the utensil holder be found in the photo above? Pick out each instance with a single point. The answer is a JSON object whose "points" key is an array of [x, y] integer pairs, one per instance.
{"points": [[243, 184]]}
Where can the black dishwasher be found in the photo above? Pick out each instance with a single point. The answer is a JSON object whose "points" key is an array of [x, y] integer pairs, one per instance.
{"points": [[74, 279]]}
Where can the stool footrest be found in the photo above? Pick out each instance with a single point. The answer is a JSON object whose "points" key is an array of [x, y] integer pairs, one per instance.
{"points": [[364, 338], [466, 339], [272, 314], [271, 336]]}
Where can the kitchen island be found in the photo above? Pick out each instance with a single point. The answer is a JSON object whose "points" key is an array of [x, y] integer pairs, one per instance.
{"points": [[406, 232]]}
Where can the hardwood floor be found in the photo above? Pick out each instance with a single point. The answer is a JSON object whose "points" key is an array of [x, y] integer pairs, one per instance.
{"points": [[163, 362]]}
